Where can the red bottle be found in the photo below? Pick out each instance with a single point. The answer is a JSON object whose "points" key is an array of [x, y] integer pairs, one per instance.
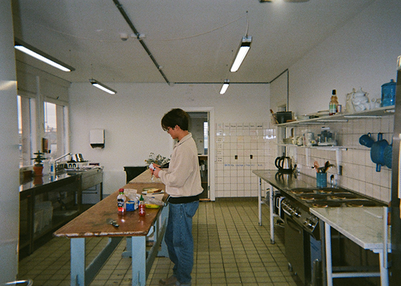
{"points": [[121, 202], [141, 208]]}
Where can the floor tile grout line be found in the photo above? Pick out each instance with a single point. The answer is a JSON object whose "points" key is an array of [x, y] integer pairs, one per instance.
{"points": [[228, 228]]}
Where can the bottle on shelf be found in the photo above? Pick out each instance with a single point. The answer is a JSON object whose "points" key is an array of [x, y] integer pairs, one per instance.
{"points": [[333, 103], [388, 93], [121, 200], [142, 210]]}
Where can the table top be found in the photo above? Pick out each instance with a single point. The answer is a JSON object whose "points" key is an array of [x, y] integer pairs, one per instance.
{"points": [[145, 180], [92, 222], [363, 225]]}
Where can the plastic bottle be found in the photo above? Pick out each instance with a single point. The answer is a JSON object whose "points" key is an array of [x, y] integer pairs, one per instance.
{"points": [[142, 211], [333, 103], [52, 166], [121, 199]]}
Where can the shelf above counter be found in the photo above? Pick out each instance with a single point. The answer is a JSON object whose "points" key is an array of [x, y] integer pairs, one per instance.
{"points": [[325, 148], [343, 117]]}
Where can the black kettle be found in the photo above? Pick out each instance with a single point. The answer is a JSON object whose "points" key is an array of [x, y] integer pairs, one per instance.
{"points": [[284, 164]]}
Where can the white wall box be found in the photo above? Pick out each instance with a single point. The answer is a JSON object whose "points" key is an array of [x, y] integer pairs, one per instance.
{"points": [[96, 138]]}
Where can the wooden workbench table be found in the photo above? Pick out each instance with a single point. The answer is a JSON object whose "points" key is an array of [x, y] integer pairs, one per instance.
{"points": [[93, 223]]}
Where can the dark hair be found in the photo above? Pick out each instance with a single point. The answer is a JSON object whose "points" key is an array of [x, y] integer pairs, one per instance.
{"points": [[175, 117]]}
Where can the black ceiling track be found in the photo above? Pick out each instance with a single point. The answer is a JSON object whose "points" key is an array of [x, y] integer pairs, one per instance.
{"points": [[131, 25]]}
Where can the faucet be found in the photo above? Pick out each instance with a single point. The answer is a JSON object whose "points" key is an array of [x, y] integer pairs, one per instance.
{"points": [[61, 157]]}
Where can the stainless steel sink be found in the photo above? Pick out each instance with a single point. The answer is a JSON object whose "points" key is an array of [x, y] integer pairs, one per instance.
{"points": [[83, 172]]}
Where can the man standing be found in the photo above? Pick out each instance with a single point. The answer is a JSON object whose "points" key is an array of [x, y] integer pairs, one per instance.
{"points": [[183, 184]]}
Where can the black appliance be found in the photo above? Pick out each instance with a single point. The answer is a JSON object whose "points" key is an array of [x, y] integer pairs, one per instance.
{"points": [[283, 116], [284, 165], [133, 171]]}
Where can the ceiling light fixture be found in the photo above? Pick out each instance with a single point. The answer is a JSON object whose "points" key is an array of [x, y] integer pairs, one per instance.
{"points": [[102, 86], [242, 52], [292, 1], [225, 86], [42, 56]]}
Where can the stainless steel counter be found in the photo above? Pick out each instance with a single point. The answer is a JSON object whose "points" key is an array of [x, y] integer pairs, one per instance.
{"points": [[42, 180], [366, 226], [285, 181], [282, 182], [91, 184]]}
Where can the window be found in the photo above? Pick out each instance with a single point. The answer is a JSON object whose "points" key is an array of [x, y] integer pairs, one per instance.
{"points": [[32, 128], [205, 136], [26, 119], [19, 130], [50, 126]]}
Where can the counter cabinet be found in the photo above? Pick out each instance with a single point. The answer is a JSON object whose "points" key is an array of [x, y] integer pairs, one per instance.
{"points": [[45, 206]]}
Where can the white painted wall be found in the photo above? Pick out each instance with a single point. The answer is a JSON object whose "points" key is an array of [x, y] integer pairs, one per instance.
{"points": [[278, 92], [9, 175], [362, 53], [131, 119]]}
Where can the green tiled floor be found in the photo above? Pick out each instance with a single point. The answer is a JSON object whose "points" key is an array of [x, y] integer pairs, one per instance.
{"points": [[230, 249]]}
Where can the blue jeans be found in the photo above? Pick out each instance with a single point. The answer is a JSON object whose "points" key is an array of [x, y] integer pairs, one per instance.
{"points": [[179, 240]]}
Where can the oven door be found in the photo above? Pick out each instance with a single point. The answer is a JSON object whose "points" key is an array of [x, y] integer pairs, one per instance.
{"points": [[296, 248], [303, 252]]}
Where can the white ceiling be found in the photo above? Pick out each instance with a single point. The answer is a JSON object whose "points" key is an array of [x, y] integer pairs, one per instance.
{"points": [[193, 41]]}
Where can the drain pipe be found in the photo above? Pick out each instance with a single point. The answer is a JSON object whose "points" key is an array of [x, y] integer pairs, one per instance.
{"points": [[131, 25]]}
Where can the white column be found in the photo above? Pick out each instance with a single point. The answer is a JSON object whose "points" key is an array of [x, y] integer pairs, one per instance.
{"points": [[9, 172]]}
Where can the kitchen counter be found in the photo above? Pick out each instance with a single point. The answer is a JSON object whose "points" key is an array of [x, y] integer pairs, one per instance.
{"points": [[46, 203], [281, 182], [39, 181], [285, 181], [363, 225]]}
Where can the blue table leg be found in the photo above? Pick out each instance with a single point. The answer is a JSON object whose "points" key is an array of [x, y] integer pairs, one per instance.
{"points": [[82, 275], [128, 248], [138, 246], [77, 261], [163, 224]]}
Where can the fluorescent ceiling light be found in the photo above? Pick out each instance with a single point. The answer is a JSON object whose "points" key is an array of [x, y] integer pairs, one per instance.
{"points": [[42, 56], [102, 86], [225, 86], [293, 1], [242, 52]]}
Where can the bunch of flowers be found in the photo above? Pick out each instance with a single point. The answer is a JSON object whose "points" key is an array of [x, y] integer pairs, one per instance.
{"points": [[157, 159]]}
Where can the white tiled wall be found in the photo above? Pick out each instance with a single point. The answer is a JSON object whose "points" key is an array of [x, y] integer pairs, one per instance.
{"points": [[358, 170], [241, 148], [236, 142]]}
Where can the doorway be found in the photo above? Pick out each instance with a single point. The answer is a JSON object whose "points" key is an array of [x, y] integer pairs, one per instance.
{"points": [[199, 127], [202, 129]]}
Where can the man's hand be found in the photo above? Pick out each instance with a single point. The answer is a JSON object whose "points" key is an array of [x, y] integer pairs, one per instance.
{"points": [[154, 169]]}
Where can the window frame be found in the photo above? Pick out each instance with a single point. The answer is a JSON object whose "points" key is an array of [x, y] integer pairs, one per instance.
{"points": [[31, 114]]}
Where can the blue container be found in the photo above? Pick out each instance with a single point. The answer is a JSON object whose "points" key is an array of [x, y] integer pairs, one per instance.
{"points": [[321, 180], [388, 93], [131, 206]]}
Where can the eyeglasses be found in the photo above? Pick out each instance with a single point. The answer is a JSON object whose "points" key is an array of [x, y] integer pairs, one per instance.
{"points": [[168, 129]]}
